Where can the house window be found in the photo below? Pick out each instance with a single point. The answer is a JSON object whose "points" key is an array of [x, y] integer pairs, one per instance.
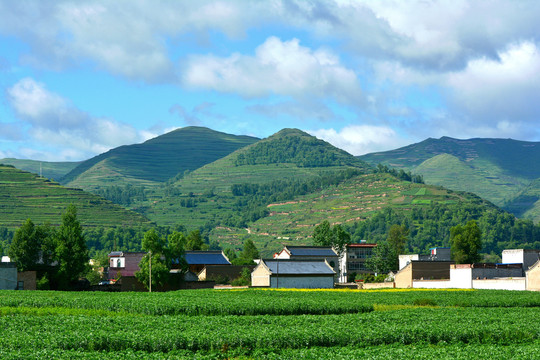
{"points": [[118, 262]]}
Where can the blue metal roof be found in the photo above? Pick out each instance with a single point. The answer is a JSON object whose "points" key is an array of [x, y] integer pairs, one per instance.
{"points": [[311, 251], [206, 258], [299, 267]]}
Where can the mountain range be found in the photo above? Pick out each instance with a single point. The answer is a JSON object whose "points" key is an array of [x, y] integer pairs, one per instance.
{"points": [[275, 190], [503, 171]]}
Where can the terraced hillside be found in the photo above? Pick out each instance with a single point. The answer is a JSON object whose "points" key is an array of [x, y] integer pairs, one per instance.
{"points": [[352, 202], [206, 194], [278, 198], [50, 170], [156, 160], [25, 195], [499, 170]]}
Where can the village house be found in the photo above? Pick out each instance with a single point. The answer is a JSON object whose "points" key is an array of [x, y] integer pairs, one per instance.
{"points": [[310, 253], [198, 260], [354, 260], [526, 257], [435, 254], [11, 279], [124, 264], [286, 273]]}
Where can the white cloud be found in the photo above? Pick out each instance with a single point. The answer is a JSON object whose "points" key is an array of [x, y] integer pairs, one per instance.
{"points": [[278, 67], [361, 139], [500, 91], [124, 37], [55, 122]]}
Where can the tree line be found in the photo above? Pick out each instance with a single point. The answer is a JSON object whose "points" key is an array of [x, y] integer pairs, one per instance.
{"points": [[59, 254]]}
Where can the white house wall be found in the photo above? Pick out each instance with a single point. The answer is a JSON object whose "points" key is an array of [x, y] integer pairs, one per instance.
{"points": [[461, 278], [431, 284], [404, 260], [500, 284]]}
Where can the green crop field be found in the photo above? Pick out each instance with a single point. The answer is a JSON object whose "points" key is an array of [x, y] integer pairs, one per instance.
{"points": [[270, 324]]}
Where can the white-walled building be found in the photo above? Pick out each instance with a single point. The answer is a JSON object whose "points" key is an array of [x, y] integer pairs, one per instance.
{"points": [[301, 274]]}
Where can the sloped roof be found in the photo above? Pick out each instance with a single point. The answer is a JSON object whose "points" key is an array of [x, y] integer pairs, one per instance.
{"points": [[206, 258], [292, 267], [311, 251]]}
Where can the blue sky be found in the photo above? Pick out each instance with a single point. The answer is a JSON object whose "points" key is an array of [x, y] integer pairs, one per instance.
{"points": [[80, 77]]}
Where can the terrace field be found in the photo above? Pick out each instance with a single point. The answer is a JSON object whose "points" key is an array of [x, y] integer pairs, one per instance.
{"points": [[25, 195], [270, 324]]}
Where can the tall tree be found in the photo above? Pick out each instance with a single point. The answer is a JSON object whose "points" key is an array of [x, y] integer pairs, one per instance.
{"points": [[25, 247], [334, 236], [385, 257], [248, 254], [322, 235], [176, 246], [156, 255], [71, 251], [466, 242], [194, 241], [382, 260], [396, 240]]}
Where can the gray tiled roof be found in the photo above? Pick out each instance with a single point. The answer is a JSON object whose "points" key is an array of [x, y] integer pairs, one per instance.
{"points": [[206, 258], [311, 251], [299, 267]]}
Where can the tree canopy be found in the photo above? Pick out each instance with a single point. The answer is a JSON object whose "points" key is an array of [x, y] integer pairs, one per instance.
{"points": [[248, 254], [71, 251], [334, 236], [466, 242]]}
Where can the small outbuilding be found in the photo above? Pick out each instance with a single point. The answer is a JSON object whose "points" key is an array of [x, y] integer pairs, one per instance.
{"points": [[287, 273]]}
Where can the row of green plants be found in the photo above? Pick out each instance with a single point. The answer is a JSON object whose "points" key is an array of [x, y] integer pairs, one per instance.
{"points": [[270, 324], [416, 352], [266, 302], [414, 326]]}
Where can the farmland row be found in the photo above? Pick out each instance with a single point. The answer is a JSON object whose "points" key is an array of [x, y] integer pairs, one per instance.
{"points": [[435, 326], [261, 302]]}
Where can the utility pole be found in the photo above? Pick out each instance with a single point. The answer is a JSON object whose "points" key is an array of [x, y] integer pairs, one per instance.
{"points": [[277, 274], [150, 270]]}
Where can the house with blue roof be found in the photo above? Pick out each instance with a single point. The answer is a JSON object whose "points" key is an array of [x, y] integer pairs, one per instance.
{"points": [[197, 260]]}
